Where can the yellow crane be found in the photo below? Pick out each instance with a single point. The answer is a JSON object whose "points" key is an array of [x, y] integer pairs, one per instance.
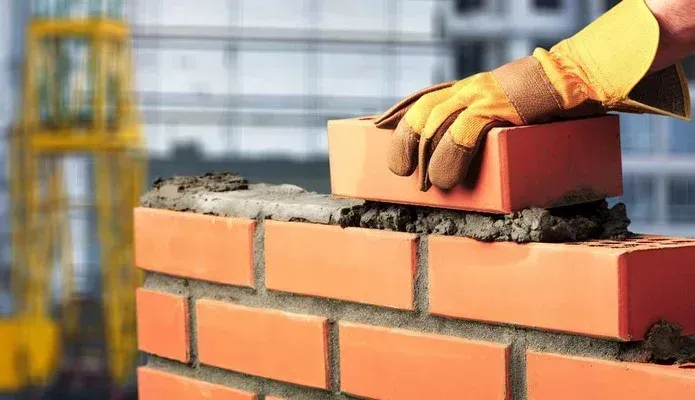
{"points": [[77, 108]]}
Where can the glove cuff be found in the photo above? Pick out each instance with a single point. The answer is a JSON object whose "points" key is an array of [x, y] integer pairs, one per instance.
{"points": [[615, 53], [664, 92], [616, 50]]}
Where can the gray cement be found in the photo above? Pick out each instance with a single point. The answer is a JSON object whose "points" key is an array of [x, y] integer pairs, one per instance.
{"points": [[226, 194], [277, 202]]}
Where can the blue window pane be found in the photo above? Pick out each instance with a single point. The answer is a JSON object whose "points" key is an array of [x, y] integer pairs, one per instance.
{"points": [[681, 199], [463, 6], [547, 4], [681, 137], [469, 59], [638, 196], [636, 133]]}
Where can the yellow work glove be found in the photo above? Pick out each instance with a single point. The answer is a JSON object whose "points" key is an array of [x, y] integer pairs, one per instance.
{"points": [[604, 67]]}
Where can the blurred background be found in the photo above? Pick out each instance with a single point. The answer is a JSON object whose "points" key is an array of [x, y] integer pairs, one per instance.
{"points": [[100, 97]]}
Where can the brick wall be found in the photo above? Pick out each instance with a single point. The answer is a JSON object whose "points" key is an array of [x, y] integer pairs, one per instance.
{"points": [[320, 311], [271, 292]]}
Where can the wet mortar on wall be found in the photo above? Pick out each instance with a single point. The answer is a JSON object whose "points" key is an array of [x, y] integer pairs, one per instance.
{"points": [[227, 194]]}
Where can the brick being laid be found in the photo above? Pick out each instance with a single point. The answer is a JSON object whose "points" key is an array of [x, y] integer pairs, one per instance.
{"points": [[542, 166], [613, 289]]}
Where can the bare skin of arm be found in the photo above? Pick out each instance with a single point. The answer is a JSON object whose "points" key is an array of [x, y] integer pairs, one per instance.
{"points": [[677, 21]]}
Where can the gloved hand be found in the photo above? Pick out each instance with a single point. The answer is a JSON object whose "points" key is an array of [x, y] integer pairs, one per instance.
{"points": [[604, 67]]}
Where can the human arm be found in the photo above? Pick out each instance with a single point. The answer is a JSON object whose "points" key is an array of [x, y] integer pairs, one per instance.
{"points": [[677, 22]]}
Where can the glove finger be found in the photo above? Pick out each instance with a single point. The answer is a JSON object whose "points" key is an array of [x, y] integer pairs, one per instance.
{"points": [[402, 151], [390, 118], [451, 159], [402, 156], [427, 147], [471, 91]]}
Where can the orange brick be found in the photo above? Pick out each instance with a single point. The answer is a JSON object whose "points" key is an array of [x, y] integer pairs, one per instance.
{"points": [[195, 246], [551, 377], [599, 288], [273, 398], [158, 385], [387, 363], [162, 320], [520, 167], [353, 264], [267, 343]]}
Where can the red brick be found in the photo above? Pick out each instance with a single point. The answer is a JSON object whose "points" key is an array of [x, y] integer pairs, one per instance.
{"points": [[266, 343], [162, 320], [353, 264], [540, 165], [599, 288], [195, 246], [387, 363], [551, 377], [158, 385]]}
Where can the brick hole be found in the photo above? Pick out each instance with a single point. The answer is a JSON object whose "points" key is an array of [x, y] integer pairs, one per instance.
{"points": [[687, 366], [682, 241]]}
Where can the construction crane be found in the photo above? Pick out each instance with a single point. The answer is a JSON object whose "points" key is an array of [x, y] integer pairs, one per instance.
{"points": [[76, 149]]}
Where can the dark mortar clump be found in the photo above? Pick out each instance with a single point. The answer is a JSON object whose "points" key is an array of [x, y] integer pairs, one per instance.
{"points": [[663, 344], [210, 182], [593, 220]]}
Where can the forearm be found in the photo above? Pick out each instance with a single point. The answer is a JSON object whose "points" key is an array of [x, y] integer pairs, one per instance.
{"points": [[677, 21]]}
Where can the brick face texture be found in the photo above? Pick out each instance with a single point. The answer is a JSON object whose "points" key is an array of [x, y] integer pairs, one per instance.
{"points": [[360, 265], [273, 344], [195, 246], [157, 385], [573, 378], [277, 301], [595, 289], [162, 321], [387, 363]]}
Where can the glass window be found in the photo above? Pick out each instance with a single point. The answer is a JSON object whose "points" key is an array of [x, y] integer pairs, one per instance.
{"points": [[636, 133], [469, 58], [681, 139], [273, 72], [354, 74], [463, 6], [689, 67], [608, 4], [638, 196], [681, 202], [547, 4]]}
